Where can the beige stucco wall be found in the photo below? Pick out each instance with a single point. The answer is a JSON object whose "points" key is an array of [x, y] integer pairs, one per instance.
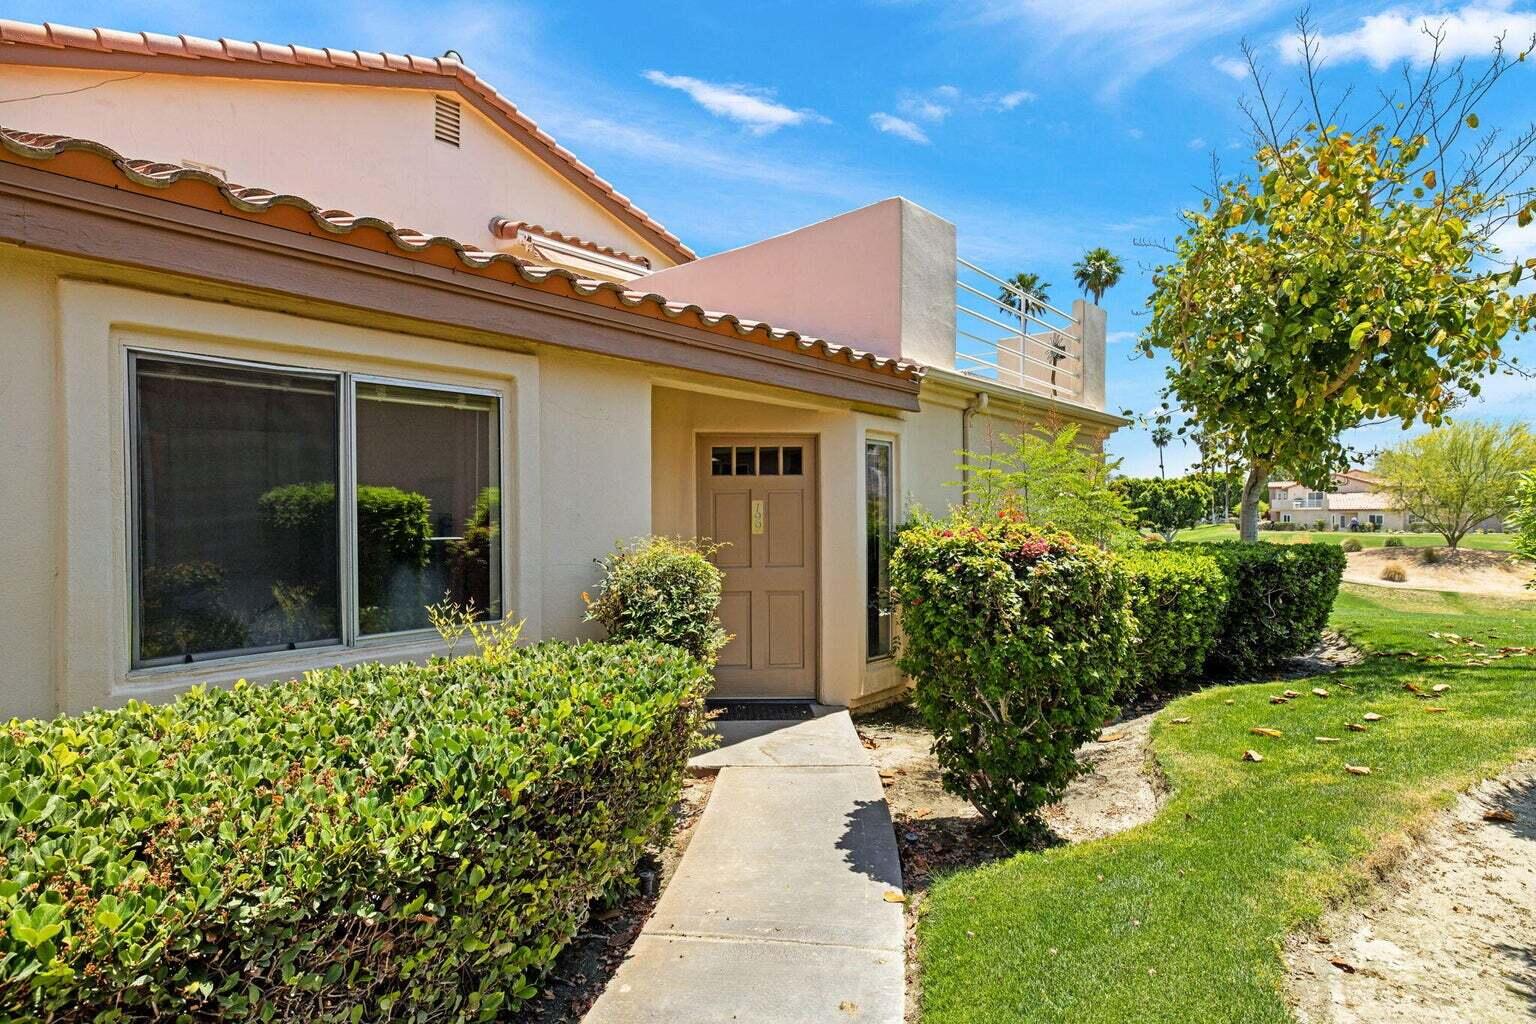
{"points": [[365, 149]]}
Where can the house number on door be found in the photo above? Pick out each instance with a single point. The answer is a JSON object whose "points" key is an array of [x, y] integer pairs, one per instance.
{"points": [[758, 519]]}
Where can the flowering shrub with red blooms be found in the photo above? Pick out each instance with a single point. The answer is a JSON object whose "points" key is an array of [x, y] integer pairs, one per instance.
{"points": [[1019, 641]]}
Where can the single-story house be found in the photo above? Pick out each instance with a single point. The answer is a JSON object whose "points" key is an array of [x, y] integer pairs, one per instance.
{"points": [[245, 432]]}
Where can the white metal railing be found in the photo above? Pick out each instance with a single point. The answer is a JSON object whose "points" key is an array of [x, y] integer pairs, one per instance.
{"points": [[1013, 337]]}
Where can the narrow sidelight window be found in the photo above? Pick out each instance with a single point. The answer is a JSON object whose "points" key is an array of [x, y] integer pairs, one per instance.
{"points": [[266, 520], [879, 532], [236, 532]]}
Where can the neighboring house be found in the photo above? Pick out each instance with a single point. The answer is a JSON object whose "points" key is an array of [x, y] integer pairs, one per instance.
{"points": [[1355, 500], [245, 432]]}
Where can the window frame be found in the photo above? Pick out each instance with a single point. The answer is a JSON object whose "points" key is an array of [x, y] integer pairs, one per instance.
{"points": [[350, 636], [890, 443]]}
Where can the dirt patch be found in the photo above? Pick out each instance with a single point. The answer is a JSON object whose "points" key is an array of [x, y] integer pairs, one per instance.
{"points": [[1452, 934], [581, 972], [937, 832], [1464, 571]]}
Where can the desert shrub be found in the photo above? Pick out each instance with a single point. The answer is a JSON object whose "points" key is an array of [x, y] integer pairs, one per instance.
{"points": [[1392, 542], [377, 843], [1177, 597], [1019, 642], [1393, 572], [660, 588], [1279, 596], [1350, 544], [1431, 556]]}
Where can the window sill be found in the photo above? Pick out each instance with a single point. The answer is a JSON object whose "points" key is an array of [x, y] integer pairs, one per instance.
{"points": [[165, 680]]}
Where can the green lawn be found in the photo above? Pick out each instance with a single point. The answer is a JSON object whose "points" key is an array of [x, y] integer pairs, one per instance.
{"points": [[1476, 541], [1181, 919]]}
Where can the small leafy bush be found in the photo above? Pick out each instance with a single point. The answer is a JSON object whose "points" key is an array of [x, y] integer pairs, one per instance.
{"points": [[1392, 542], [1177, 598], [661, 588], [1019, 642], [1393, 572], [1431, 556], [1350, 544], [380, 843], [1278, 600]]}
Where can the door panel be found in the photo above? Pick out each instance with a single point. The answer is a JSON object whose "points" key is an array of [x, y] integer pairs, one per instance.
{"points": [[758, 495]]}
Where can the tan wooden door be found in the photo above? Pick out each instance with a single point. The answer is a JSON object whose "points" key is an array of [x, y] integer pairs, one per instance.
{"points": [[757, 497]]}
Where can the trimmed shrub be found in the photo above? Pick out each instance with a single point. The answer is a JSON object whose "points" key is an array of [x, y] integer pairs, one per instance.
{"points": [[665, 589], [1350, 544], [1177, 597], [377, 843], [1019, 642], [1278, 600], [1392, 542], [1431, 556], [1393, 572]]}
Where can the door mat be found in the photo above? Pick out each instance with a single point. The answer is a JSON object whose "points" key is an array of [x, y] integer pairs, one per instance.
{"points": [[761, 710]]}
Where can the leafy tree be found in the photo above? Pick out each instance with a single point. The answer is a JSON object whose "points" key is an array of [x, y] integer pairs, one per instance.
{"points": [[1166, 506], [1455, 477], [1036, 294], [1351, 277], [1524, 519], [1097, 272], [1048, 480], [1161, 438]]}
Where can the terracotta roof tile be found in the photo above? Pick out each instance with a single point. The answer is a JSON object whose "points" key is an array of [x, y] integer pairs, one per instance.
{"points": [[163, 47], [157, 178]]}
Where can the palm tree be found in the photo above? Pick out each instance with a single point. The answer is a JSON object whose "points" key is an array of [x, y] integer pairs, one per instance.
{"points": [[1036, 294], [1161, 437], [1097, 272]]}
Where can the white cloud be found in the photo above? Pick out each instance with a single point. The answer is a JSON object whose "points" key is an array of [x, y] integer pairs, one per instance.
{"points": [[1119, 337], [1196, 143], [1400, 34], [1010, 100], [1135, 133], [754, 108], [897, 126], [1231, 67], [1121, 40], [931, 108]]}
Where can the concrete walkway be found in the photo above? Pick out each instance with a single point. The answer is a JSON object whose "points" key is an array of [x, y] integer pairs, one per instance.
{"points": [[777, 913]]}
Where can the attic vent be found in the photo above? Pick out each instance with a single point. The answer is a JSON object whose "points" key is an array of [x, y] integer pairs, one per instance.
{"points": [[445, 121]]}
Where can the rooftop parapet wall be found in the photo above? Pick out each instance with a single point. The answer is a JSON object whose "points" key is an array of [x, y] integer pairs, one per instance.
{"points": [[880, 278]]}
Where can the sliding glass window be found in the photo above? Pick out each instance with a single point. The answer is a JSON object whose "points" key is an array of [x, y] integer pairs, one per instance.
{"points": [[252, 490], [879, 531]]}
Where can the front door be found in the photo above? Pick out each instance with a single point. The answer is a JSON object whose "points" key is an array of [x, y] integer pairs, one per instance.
{"points": [[757, 498]]}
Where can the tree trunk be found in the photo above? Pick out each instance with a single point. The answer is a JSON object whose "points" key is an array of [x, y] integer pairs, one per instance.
{"points": [[1256, 484], [1160, 470]]}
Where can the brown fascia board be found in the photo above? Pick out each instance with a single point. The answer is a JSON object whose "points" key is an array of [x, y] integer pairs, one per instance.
{"points": [[327, 75], [59, 214]]}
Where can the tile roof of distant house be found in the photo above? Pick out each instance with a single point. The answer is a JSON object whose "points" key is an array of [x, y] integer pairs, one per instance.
{"points": [[1361, 501], [89, 161], [68, 46]]}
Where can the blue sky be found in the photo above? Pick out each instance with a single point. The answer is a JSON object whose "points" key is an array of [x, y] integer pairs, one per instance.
{"points": [[1040, 127]]}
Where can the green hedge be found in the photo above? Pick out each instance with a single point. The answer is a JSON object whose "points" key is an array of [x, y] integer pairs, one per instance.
{"points": [[1178, 597], [664, 589], [1279, 597], [376, 843], [1019, 642]]}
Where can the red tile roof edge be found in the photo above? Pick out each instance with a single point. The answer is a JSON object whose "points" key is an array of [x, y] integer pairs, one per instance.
{"points": [[504, 227], [152, 176], [155, 45]]}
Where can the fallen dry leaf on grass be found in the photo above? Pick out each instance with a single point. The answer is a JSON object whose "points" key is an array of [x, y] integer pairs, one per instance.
{"points": [[1371, 716], [1500, 814], [1319, 692], [1110, 737], [1357, 769], [1290, 694], [1356, 727], [1279, 700], [1412, 687], [1326, 739], [1343, 965], [1180, 721], [1440, 687], [1261, 731], [1252, 755], [1435, 710], [1229, 700]]}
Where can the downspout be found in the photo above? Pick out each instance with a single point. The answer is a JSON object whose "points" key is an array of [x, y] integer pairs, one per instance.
{"points": [[975, 405]]}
